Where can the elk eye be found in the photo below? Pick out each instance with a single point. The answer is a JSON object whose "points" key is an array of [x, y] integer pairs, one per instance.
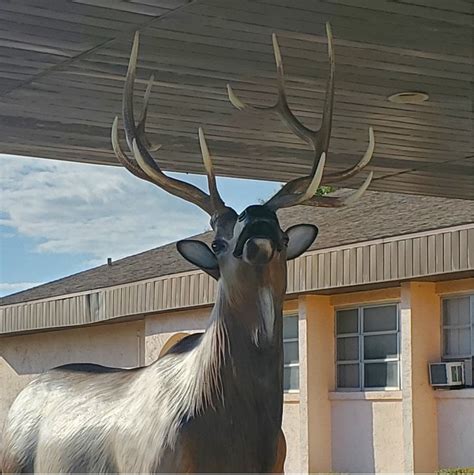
{"points": [[219, 246]]}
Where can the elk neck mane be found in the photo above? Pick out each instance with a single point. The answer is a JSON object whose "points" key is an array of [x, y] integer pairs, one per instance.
{"points": [[190, 381]]}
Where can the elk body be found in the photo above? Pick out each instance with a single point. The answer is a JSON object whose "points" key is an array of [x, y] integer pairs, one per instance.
{"points": [[214, 402]]}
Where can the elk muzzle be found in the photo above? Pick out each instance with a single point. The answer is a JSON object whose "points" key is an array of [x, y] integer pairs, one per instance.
{"points": [[259, 236], [258, 251]]}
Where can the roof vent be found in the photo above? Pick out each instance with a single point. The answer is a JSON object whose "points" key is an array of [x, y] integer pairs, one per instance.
{"points": [[409, 97]]}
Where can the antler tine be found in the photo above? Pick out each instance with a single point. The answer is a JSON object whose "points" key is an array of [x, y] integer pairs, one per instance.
{"points": [[286, 200], [145, 166], [140, 130], [216, 200], [129, 164], [324, 132], [319, 140], [363, 162], [298, 184], [281, 106], [340, 201]]}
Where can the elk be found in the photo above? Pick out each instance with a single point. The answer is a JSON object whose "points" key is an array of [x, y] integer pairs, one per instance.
{"points": [[214, 402]]}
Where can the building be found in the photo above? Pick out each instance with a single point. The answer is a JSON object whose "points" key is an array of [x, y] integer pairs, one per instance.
{"points": [[387, 288]]}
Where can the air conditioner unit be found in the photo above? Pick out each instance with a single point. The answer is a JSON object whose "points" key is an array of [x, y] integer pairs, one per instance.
{"points": [[445, 374]]}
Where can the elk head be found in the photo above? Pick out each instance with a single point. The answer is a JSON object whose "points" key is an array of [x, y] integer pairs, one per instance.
{"points": [[253, 242]]}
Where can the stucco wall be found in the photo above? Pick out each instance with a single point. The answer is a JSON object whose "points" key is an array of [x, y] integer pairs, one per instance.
{"points": [[456, 418], [159, 328], [291, 429], [367, 435], [23, 357]]}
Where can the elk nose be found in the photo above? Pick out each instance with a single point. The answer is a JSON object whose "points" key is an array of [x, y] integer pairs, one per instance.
{"points": [[258, 251]]}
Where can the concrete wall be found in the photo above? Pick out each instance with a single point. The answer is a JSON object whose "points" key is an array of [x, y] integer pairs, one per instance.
{"points": [[367, 435], [291, 429], [23, 357], [456, 418], [160, 328]]}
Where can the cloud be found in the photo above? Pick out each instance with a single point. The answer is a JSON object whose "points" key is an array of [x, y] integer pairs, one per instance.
{"points": [[7, 288], [95, 210]]}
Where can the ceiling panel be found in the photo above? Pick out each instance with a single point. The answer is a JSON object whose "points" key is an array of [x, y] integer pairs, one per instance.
{"points": [[62, 65]]}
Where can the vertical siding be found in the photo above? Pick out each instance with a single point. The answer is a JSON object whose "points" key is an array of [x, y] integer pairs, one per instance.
{"points": [[470, 248], [394, 259]]}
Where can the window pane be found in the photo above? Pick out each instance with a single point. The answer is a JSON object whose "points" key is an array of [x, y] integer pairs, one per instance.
{"points": [[347, 321], [348, 376], [348, 348], [465, 341], [381, 375], [456, 311], [290, 352], [290, 326], [380, 346], [450, 342], [457, 341], [377, 319], [291, 378]]}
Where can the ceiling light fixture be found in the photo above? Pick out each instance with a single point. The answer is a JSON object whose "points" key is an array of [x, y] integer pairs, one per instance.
{"points": [[409, 97]]}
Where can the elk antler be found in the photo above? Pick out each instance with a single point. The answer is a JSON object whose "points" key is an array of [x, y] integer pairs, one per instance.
{"points": [[143, 165], [301, 190]]}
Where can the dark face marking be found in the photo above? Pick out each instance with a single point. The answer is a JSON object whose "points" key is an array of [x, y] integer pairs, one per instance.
{"points": [[248, 241]]}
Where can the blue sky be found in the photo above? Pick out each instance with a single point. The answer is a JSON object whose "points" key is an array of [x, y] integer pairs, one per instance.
{"points": [[58, 218]]}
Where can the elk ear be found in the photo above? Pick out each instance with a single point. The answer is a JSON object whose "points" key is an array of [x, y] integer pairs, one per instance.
{"points": [[197, 253], [300, 237]]}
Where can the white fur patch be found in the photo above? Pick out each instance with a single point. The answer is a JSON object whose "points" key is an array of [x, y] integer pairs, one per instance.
{"points": [[266, 311], [130, 418]]}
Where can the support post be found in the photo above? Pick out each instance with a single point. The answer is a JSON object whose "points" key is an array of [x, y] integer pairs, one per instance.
{"points": [[420, 336], [316, 350]]}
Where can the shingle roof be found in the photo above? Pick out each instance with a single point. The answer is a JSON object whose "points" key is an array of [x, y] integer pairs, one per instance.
{"points": [[377, 215]]}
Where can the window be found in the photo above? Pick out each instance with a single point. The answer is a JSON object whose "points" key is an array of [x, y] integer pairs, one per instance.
{"points": [[367, 348], [458, 327], [291, 370]]}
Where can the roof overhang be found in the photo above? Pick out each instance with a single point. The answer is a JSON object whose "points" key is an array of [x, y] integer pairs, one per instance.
{"points": [[63, 65]]}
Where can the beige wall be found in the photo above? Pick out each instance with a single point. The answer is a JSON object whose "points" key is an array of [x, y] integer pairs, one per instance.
{"points": [[291, 429], [367, 433], [160, 328], [23, 357], [421, 333], [316, 349], [456, 421]]}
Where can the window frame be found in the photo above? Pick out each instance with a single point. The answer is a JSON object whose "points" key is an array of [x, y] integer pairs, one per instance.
{"points": [[292, 340], [361, 334], [444, 327]]}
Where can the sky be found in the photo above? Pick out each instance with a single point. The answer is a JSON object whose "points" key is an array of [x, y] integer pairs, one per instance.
{"points": [[58, 218]]}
